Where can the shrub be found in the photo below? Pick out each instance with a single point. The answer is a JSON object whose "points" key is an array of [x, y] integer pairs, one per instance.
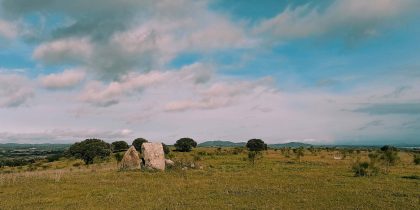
{"points": [[389, 155], [185, 144], [166, 149], [299, 152], [118, 146], [364, 169], [253, 156], [416, 159], [138, 142], [256, 145], [118, 156], [90, 149], [54, 157]]}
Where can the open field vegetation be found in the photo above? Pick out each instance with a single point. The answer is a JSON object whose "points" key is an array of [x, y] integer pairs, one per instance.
{"points": [[216, 178]]}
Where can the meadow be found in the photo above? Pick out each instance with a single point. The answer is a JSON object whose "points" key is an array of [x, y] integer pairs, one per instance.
{"points": [[219, 179]]}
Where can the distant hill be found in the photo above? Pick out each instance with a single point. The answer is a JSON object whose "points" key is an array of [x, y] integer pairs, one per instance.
{"points": [[221, 144], [290, 144], [241, 144]]}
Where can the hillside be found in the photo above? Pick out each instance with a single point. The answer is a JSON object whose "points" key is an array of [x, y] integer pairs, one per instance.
{"points": [[241, 144]]}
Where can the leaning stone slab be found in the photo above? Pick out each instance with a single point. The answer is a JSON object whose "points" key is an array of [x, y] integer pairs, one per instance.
{"points": [[131, 160], [153, 156]]}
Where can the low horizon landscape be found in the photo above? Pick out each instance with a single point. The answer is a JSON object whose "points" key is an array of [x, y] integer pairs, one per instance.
{"points": [[209, 104]]}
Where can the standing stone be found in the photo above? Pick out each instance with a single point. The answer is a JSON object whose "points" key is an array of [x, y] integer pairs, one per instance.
{"points": [[130, 160], [153, 156]]}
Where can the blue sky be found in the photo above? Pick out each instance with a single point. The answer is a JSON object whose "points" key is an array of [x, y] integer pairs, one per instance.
{"points": [[327, 72]]}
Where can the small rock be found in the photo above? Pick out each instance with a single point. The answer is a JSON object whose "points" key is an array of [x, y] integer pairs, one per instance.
{"points": [[169, 162], [185, 168]]}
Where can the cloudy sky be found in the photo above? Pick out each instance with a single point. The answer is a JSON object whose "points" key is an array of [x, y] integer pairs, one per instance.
{"points": [[333, 71]]}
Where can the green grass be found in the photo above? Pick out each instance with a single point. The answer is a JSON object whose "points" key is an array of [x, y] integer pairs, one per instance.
{"points": [[227, 181]]}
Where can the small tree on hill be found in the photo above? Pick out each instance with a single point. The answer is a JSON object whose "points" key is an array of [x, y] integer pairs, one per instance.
{"points": [[90, 149], [118, 146], [185, 144], [138, 142]]}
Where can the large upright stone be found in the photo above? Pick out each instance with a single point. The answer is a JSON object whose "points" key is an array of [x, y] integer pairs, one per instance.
{"points": [[131, 160], [153, 156]]}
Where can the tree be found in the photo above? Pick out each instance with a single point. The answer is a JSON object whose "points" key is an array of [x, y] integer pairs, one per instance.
{"points": [[185, 144], [256, 145], [138, 142], [118, 146], [166, 149], [299, 152], [89, 149], [389, 155]]}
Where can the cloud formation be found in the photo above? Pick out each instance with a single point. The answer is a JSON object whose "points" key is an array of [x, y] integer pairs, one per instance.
{"points": [[64, 80], [15, 90], [8, 30], [355, 18]]}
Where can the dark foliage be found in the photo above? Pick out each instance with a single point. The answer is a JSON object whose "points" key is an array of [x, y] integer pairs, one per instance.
{"points": [[118, 146], [256, 145], [166, 149], [138, 142], [185, 144], [89, 149]]}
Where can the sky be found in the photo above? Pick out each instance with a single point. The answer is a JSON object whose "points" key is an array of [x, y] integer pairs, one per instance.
{"points": [[321, 72]]}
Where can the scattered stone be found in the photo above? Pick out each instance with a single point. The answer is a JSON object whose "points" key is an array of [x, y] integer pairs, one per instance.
{"points": [[169, 163], [185, 168], [153, 156], [130, 160]]}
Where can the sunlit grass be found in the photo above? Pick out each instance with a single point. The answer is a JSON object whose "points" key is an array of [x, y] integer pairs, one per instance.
{"points": [[227, 181]]}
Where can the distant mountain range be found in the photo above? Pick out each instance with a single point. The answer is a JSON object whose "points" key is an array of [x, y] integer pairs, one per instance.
{"points": [[241, 144]]}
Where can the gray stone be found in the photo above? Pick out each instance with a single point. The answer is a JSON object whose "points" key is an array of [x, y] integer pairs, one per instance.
{"points": [[169, 163], [130, 160], [153, 156]]}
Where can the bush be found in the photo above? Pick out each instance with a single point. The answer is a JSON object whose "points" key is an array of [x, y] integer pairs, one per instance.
{"points": [[90, 149], [185, 144], [54, 157], [118, 146], [256, 145], [416, 159], [138, 142], [253, 156], [299, 152], [389, 155], [364, 169], [166, 149]]}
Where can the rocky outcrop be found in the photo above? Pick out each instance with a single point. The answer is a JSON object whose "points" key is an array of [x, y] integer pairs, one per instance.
{"points": [[153, 156], [131, 160]]}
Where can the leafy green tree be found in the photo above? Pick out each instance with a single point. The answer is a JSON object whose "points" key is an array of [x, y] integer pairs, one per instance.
{"points": [[256, 145], [138, 142], [118, 156], [90, 149], [185, 144], [118, 146], [166, 149], [389, 155]]}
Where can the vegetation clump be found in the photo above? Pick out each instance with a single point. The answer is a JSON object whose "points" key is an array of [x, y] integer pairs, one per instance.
{"points": [[185, 144], [118, 146], [255, 146], [138, 142], [90, 149]]}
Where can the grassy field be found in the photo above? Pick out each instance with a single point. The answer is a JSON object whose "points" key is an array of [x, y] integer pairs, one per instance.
{"points": [[225, 181]]}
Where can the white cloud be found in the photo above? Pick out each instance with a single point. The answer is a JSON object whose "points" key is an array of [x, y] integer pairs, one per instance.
{"points": [[15, 90], [8, 30], [99, 94], [66, 79], [221, 94], [64, 50], [356, 17]]}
